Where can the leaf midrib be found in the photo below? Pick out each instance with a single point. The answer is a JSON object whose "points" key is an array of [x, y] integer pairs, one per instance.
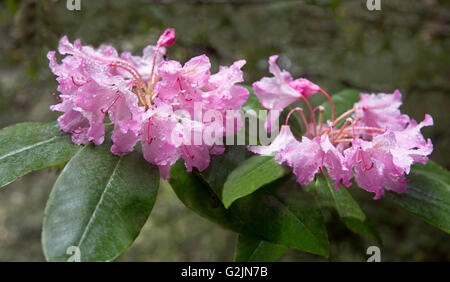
{"points": [[330, 189], [29, 147], [246, 173], [92, 218], [255, 249]]}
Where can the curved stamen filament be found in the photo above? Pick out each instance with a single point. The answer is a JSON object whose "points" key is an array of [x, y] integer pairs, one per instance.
{"points": [[130, 66], [136, 76], [331, 103], [363, 163], [109, 108], [366, 128], [322, 114], [343, 140], [348, 134], [341, 131], [77, 84], [313, 116], [300, 110], [151, 82], [346, 114], [139, 94], [353, 127]]}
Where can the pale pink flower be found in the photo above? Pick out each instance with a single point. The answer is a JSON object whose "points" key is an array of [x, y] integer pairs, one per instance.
{"points": [[307, 157], [141, 95], [381, 110], [279, 91], [378, 145]]}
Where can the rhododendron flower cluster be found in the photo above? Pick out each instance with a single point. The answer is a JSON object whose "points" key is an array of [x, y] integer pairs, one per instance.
{"points": [[142, 97], [373, 141]]}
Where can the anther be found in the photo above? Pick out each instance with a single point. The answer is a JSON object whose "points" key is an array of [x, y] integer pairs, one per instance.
{"points": [[56, 97]]}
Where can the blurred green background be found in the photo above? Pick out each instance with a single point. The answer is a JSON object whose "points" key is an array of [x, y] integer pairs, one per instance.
{"points": [[337, 44]]}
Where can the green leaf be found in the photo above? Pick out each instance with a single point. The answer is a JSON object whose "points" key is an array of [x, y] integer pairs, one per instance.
{"points": [[99, 204], [428, 195], [349, 211], [221, 166], [280, 213], [251, 175], [27, 147], [341, 200], [251, 249], [283, 213], [252, 103], [364, 228], [195, 193]]}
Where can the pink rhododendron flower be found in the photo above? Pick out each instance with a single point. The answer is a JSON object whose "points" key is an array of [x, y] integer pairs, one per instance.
{"points": [[142, 96], [381, 110], [307, 157], [279, 91], [377, 144]]}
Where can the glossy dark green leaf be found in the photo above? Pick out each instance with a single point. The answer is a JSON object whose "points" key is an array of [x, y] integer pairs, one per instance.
{"points": [[364, 228], [221, 166], [341, 200], [349, 211], [251, 249], [195, 193], [251, 175], [27, 147], [283, 213], [98, 204], [428, 195], [280, 213]]}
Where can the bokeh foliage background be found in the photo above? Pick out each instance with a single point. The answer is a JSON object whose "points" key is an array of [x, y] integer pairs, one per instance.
{"points": [[335, 43]]}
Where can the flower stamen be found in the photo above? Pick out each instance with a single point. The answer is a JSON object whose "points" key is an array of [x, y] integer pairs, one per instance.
{"points": [[57, 97], [331, 103], [363, 163], [77, 84], [300, 110], [313, 116], [109, 108]]}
